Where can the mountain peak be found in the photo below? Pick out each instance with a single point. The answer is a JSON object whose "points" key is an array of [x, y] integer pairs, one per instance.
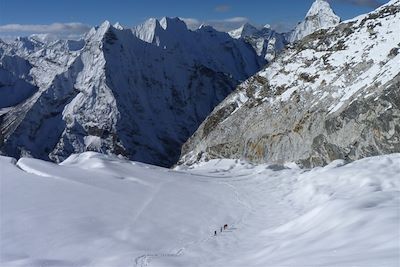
{"points": [[97, 33], [244, 31], [155, 31], [147, 30], [118, 26], [320, 16], [105, 25], [203, 25], [321, 8], [173, 24], [206, 27], [248, 26]]}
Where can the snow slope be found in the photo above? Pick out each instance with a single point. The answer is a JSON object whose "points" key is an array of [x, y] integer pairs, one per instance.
{"points": [[97, 210]]}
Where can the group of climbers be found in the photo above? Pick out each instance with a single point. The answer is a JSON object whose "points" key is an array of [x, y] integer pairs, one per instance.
{"points": [[225, 227]]}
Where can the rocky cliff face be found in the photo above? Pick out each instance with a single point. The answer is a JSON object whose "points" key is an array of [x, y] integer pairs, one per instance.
{"points": [[115, 93], [334, 94]]}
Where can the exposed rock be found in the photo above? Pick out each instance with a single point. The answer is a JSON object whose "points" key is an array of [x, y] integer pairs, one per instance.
{"points": [[333, 95]]}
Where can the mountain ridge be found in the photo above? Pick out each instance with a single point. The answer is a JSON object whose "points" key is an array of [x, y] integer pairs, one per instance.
{"points": [[121, 95], [332, 95]]}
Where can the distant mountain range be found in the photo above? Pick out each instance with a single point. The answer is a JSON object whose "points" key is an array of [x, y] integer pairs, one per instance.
{"points": [[142, 92], [115, 93], [266, 42]]}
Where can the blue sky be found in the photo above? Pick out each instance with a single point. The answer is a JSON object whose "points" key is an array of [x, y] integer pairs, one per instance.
{"points": [[75, 16]]}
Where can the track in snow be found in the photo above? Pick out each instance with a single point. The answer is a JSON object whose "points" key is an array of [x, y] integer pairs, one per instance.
{"points": [[145, 259]]}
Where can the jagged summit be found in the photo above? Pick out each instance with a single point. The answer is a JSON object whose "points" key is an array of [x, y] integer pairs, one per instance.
{"points": [[205, 26], [104, 26], [118, 26], [319, 8], [320, 16], [265, 41], [147, 30], [243, 31], [97, 33], [173, 24], [160, 32]]}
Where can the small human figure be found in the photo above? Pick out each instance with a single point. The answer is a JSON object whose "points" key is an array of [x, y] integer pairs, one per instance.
{"points": [[221, 229], [225, 226], [215, 233]]}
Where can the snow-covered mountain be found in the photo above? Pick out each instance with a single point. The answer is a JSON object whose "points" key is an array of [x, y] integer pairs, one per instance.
{"points": [[320, 16], [333, 94], [29, 65], [246, 30], [115, 93], [267, 42]]}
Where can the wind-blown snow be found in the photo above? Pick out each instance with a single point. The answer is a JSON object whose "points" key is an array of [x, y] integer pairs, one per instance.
{"points": [[96, 210]]}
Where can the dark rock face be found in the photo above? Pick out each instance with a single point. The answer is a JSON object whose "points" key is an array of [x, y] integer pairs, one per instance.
{"points": [[333, 95]]}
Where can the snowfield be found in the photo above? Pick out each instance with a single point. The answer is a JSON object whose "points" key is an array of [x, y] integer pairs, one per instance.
{"points": [[96, 210]]}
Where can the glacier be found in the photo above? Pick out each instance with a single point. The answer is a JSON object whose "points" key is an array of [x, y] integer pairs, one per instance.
{"points": [[99, 210]]}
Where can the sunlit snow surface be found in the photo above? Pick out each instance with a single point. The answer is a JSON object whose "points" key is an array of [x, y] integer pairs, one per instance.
{"points": [[94, 210]]}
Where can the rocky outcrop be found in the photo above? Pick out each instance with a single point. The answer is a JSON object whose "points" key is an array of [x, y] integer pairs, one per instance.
{"points": [[333, 95]]}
